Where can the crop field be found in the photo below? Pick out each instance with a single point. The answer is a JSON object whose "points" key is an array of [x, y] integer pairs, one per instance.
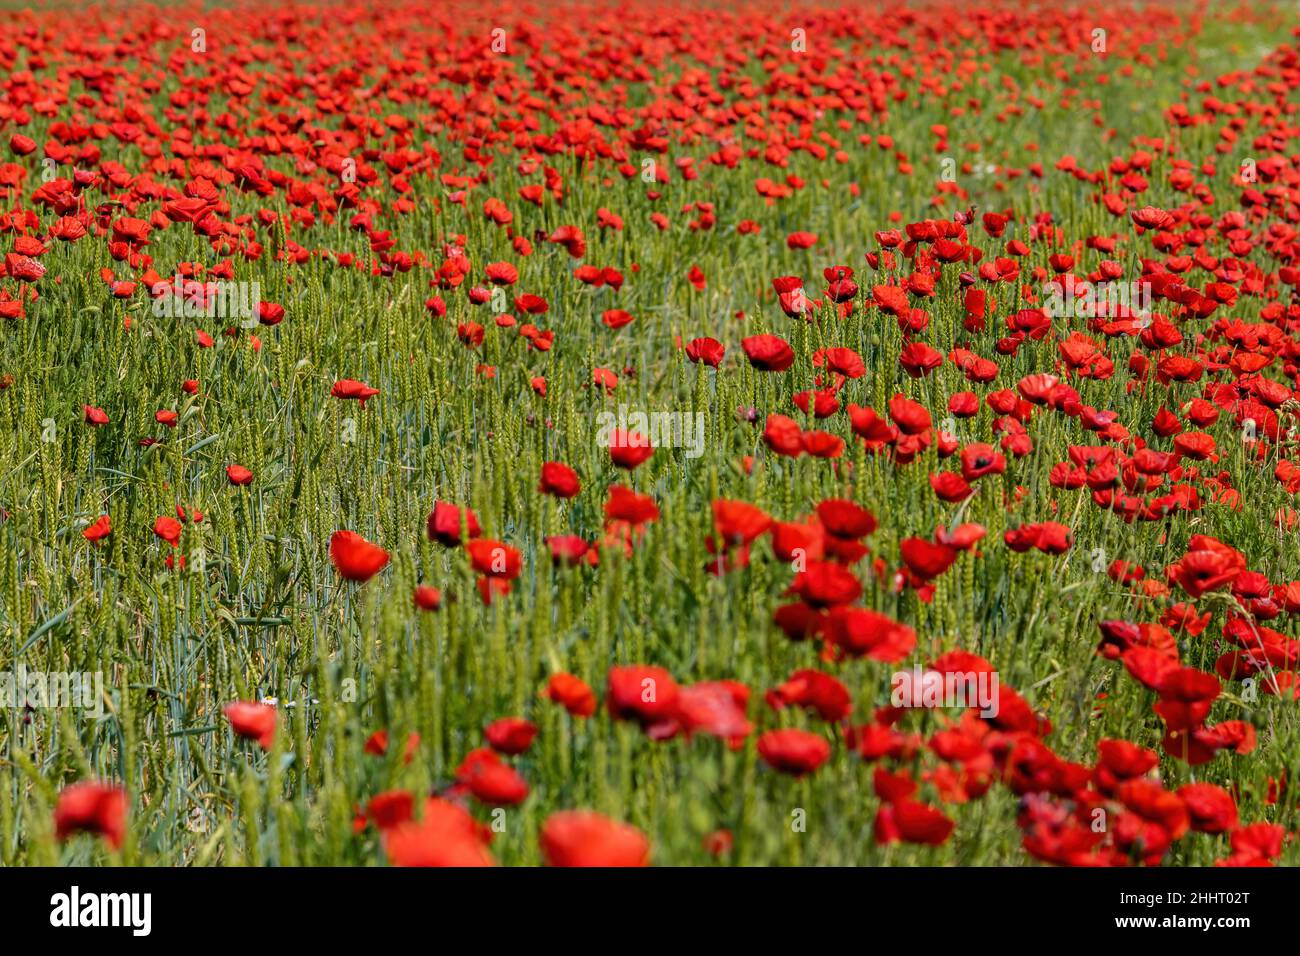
{"points": [[596, 433]]}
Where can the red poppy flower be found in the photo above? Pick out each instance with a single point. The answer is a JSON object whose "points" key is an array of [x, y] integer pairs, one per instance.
{"points": [[569, 549], [717, 708], [99, 530], [1151, 801], [793, 751], [910, 417], [269, 313], [844, 361], [647, 695], [444, 524], [964, 537], [927, 559], [861, 632], [426, 597], [1186, 696], [531, 304], [445, 835], [825, 583], [846, 519], [584, 838], [739, 522], [1120, 760], [718, 843], [94, 416], [1198, 572], [912, 822], [390, 808], [510, 735], [1149, 217], [169, 529], [919, 359], [629, 449], [628, 506], [768, 353], [23, 268], [1195, 445], [351, 388], [239, 475], [1261, 840], [783, 436], [355, 558], [92, 807], [571, 693], [1150, 665], [496, 784], [1050, 537], [950, 486], [1211, 809], [818, 692], [978, 460], [706, 350], [494, 559], [799, 621], [559, 480], [253, 721]]}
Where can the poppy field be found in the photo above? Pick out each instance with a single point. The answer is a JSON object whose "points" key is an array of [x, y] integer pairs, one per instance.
{"points": [[650, 434]]}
